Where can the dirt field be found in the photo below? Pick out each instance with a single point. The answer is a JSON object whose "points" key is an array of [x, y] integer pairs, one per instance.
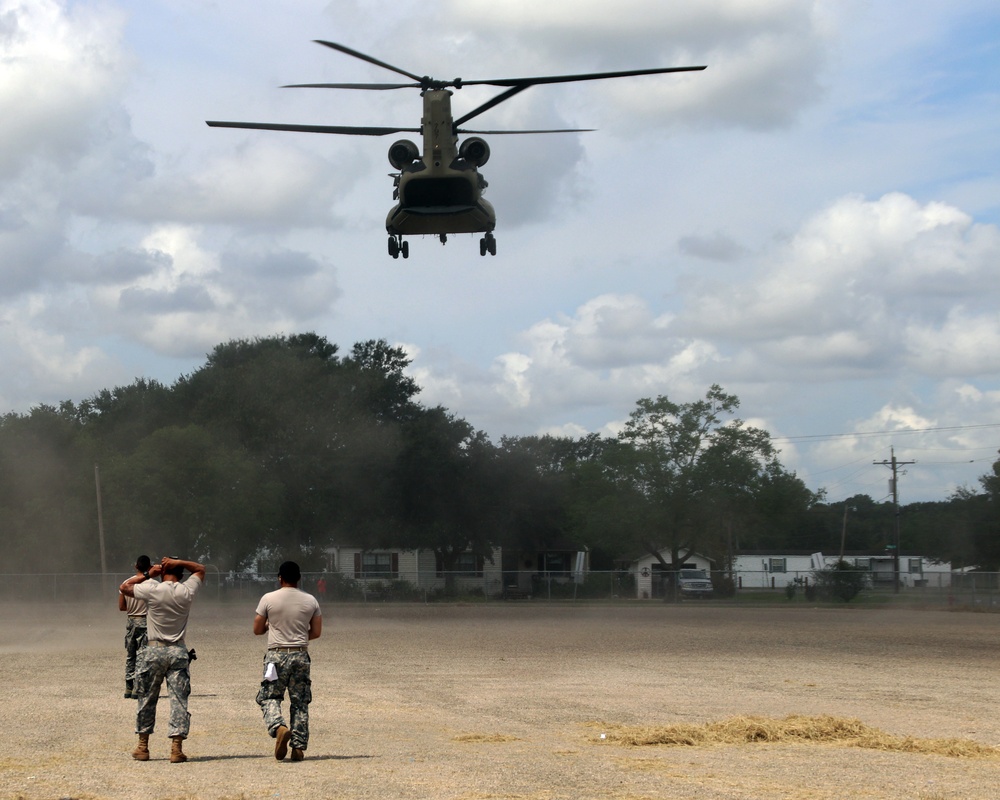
{"points": [[499, 701]]}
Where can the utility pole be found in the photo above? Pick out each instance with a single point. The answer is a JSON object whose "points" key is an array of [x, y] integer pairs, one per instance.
{"points": [[893, 463], [843, 533]]}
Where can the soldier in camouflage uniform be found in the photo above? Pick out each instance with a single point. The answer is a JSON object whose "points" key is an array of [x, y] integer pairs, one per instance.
{"points": [[291, 619], [135, 629], [168, 605]]}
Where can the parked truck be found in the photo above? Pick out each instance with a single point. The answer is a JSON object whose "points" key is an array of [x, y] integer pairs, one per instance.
{"points": [[694, 583]]}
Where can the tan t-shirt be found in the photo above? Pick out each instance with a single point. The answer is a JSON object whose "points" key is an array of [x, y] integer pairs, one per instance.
{"points": [[167, 607], [288, 612], [135, 607]]}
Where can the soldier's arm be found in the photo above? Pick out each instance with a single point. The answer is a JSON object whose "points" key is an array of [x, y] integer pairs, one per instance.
{"points": [[191, 566], [315, 627], [126, 587], [259, 625]]}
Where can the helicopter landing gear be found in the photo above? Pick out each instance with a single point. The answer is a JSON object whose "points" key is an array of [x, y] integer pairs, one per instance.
{"points": [[444, 238], [488, 244], [397, 247]]}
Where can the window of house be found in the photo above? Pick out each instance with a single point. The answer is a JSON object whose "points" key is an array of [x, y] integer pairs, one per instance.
{"points": [[376, 565], [555, 563], [916, 566], [863, 563], [777, 565], [467, 565]]}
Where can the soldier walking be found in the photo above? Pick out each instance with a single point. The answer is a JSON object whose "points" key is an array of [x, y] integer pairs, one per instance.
{"points": [[168, 604], [291, 619], [135, 628]]}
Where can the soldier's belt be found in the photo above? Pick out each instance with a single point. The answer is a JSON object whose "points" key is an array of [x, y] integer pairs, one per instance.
{"points": [[137, 617], [287, 649], [162, 643]]}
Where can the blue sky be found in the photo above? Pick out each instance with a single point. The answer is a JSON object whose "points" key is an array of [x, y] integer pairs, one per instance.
{"points": [[812, 222]]}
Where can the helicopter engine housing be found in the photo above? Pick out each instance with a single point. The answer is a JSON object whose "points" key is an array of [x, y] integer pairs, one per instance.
{"points": [[403, 153], [475, 151]]}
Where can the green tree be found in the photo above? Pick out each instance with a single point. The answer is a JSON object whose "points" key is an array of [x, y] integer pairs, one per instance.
{"points": [[446, 490], [535, 476], [689, 473], [379, 377], [183, 493], [307, 416], [118, 419], [981, 518]]}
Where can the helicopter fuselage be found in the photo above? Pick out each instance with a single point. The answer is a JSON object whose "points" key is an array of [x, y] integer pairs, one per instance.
{"points": [[440, 192], [438, 188]]}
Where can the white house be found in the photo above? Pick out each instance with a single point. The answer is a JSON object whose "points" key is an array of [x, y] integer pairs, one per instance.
{"points": [[419, 568], [775, 570], [649, 575]]}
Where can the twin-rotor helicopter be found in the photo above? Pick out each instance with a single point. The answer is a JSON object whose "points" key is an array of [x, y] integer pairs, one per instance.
{"points": [[439, 189]]}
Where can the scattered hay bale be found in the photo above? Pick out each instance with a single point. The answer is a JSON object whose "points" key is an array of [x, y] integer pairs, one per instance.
{"points": [[485, 738], [793, 728]]}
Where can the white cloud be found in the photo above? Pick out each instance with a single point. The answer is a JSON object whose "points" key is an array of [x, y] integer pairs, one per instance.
{"points": [[59, 74], [193, 298], [864, 283], [763, 57]]}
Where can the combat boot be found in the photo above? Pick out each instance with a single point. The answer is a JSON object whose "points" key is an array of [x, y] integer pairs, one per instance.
{"points": [[128, 690], [141, 752], [176, 750], [281, 739], [297, 754]]}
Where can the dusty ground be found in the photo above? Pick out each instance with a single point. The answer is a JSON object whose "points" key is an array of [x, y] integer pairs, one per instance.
{"points": [[497, 701]]}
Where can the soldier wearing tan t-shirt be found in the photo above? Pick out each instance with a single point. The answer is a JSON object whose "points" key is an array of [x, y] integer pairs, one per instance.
{"points": [[168, 604], [135, 629], [291, 619]]}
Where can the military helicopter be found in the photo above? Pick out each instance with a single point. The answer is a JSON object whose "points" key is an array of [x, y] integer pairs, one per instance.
{"points": [[439, 190]]}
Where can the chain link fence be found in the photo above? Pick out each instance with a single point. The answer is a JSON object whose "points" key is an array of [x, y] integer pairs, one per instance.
{"points": [[980, 590]]}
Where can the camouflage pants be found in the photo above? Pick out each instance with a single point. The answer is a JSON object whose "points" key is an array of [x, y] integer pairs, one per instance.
{"points": [[135, 643], [171, 663], [293, 675]]}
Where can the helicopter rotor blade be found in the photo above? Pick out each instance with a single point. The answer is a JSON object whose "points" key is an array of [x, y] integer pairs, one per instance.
{"points": [[425, 82], [520, 84], [350, 130], [370, 59], [587, 76], [541, 130], [374, 86], [490, 103]]}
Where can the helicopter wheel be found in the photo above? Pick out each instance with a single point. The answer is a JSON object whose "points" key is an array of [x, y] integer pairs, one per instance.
{"points": [[488, 244], [393, 247], [404, 248]]}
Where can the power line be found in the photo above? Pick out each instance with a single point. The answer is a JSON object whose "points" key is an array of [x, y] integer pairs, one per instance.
{"points": [[897, 432]]}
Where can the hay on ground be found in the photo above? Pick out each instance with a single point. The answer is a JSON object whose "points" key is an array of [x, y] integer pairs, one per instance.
{"points": [[485, 738], [793, 728]]}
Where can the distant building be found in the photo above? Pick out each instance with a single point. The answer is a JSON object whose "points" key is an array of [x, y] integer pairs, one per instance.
{"points": [[770, 569], [651, 580], [774, 570], [517, 573]]}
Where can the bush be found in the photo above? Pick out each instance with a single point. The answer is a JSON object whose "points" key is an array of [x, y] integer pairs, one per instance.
{"points": [[842, 581], [341, 587]]}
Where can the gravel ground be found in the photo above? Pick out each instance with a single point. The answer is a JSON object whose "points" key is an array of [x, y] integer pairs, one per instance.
{"points": [[483, 702]]}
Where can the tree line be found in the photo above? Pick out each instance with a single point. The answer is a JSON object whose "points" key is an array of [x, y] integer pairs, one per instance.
{"points": [[283, 445]]}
